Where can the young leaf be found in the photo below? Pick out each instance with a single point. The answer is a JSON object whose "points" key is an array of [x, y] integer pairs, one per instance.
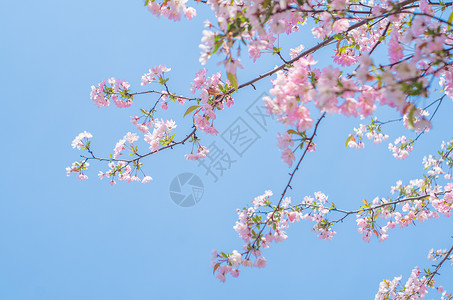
{"points": [[233, 79], [216, 266], [450, 20], [410, 118], [350, 138], [376, 232], [191, 109]]}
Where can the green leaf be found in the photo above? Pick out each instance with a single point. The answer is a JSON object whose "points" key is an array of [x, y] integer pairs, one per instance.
{"points": [[342, 49], [146, 2], [350, 138], [217, 46], [338, 36], [410, 118], [450, 20], [233, 79], [191, 109], [290, 131]]}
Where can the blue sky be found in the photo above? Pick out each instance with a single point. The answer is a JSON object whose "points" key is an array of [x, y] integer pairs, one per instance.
{"points": [[66, 239]]}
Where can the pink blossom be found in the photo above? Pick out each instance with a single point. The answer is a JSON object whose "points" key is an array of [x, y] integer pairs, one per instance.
{"points": [[288, 157], [78, 141], [260, 262], [146, 179]]}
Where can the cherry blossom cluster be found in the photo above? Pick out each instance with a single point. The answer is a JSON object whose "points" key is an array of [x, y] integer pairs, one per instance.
{"points": [[78, 167], [284, 142], [417, 39], [264, 223], [171, 9], [446, 81], [202, 152], [371, 131], [160, 135], [439, 254], [417, 121], [155, 73], [416, 287], [114, 89], [418, 201], [401, 147], [123, 171], [214, 96], [120, 146], [81, 140], [355, 94], [156, 133]]}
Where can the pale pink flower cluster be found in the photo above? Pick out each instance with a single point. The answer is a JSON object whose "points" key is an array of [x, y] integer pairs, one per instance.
{"points": [[433, 165], [233, 260], [322, 226], [395, 48], [79, 141], [325, 26], [439, 254], [327, 86], [427, 199], [401, 147], [172, 9], [251, 221], [256, 46], [352, 143], [98, 96], [419, 121], [262, 200], [129, 137], [366, 227], [431, 205], [154, 74], [420, 200], [115, 89], [124, 172], [371, 131], [143, 127], [444, 205], [78, 167], [257, 35], [446, 81], [210, 100], [202, 152], [284, 142], [415, 287], [291, 91], [160, 134]]}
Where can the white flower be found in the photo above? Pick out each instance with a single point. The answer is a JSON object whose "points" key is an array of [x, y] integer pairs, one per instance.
{"points": [[235, 258]]}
